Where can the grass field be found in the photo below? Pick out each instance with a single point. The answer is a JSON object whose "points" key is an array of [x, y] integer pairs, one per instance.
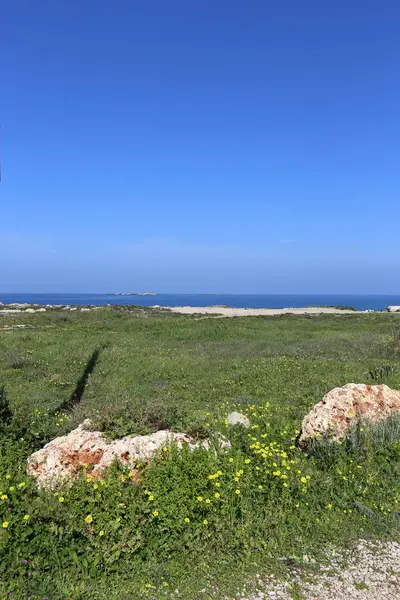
{"points": [[212, 518]]}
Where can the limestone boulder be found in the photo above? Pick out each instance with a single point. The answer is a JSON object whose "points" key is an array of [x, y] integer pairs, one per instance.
{"points": [[345, 405], [82, 449]]}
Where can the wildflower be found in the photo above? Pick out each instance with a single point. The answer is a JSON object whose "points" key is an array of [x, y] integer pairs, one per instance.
{"points": [[205, 522], [89, 519], [285, 484], [61, 499], [5, 524], [247, 461], [329, 506], [95, 487], [216, 495], [155, 513], [208, 501], [101, 533], [187, 520], [165, 449], [231, 460], [200, 498], [236, 479], [237, 492], [260, 487], [151, 497], [217, 483], [26, 517], [4, 497], [8, 476], [12, 488], [22, 484], [303, 480]]}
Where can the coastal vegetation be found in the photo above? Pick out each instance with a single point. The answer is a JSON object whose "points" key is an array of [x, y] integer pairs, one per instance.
{"points": [[189, 524]]}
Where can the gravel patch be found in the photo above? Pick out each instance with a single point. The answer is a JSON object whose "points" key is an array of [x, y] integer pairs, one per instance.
{"points": [[369, 572]]}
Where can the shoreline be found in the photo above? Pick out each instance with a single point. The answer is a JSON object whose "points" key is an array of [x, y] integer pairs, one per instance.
{"points": [[213, 310], [257, 312]]}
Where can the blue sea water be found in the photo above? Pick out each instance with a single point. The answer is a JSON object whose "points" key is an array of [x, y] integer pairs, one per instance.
{"points": [[233, 300]]}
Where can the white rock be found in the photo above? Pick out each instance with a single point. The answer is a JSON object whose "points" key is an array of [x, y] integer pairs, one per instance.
{"points": [[64, 456], [236, 418], [30, 310], [40, 310], [85, 309], [342, 406], [393, 309]]}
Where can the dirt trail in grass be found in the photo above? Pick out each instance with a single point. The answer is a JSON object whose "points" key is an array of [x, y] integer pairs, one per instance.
{"points": [[370, 573]]}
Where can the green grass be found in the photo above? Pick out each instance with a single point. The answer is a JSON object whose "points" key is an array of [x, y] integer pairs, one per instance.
{"points": [[153, 370]]}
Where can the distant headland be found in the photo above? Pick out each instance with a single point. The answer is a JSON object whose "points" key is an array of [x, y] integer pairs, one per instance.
{"points": [[133, 294]]}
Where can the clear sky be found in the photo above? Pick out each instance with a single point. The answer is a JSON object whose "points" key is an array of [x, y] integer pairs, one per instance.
{"points": [[247, 146]]}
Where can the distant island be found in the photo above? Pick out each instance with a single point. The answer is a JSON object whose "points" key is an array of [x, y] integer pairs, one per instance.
{"points": [[134, 294]]}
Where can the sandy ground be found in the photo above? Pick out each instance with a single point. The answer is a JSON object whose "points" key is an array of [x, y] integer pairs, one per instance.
{"points": [[253, 312], [371, 573]]}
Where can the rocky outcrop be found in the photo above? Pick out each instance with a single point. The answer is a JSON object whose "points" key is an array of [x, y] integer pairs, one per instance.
{"points": [[342, 406], [393, 308], [82, 449]]}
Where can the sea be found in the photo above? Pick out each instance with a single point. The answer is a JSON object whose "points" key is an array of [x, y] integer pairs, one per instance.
{"points": [[359, 302]]}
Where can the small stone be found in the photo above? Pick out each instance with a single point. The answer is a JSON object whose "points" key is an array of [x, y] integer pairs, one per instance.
{"points": [[236, 418]]}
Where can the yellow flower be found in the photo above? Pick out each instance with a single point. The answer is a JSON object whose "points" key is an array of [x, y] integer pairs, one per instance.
{"points": [[260, 487], [22, 484], [155, 513], [26, 517], [205, 522], [61, 499], [329, 506], [5, 524], [101, 533], [4, 497], [95, 487], [247, 461], [208, 501], [151, 497], [200, 498], [231, 460], [237, 492], [216, 495], [187, 520], [217, 483], [89, 519], [285, 484], [303, 480], [8, 476], [236, 479], [12, 488]]}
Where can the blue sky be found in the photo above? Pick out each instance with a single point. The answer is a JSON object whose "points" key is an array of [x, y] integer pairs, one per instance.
{"points": [[200, 146]]}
